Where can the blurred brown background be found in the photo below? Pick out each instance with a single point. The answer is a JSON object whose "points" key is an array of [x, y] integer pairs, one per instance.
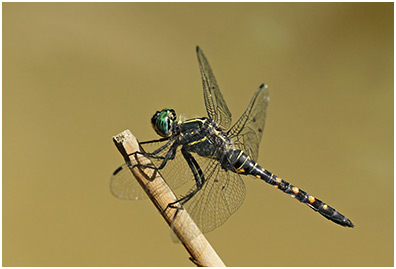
{"points": [[75, 74]]}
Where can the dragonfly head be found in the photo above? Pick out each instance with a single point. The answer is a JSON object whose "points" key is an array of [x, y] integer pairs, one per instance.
{"points": [[162, 121]]}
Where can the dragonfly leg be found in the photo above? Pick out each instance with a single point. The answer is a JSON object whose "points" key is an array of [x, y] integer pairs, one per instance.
{"points": [[132, 165], [154, 141], [170, 155], [198, 176], [153, 155], [163, 147]]}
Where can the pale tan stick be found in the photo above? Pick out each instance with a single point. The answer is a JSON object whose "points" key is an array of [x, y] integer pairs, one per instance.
{"points": [[202, 253]]}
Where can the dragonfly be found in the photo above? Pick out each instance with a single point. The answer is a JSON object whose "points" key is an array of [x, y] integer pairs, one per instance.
{"points": [[210, 155]]}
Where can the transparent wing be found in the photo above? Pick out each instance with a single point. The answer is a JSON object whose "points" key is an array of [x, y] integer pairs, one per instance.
{"points": [[123, 185], [176, 171], [215, 105], [221, 195], [246, 133]]}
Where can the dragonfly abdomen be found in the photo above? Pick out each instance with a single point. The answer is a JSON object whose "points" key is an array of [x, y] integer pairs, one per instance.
{"points": [[243, 164]]}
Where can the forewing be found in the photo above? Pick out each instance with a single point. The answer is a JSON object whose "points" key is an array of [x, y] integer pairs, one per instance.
{"points": [[176, 172], [221, 195], [215, 105], [123, 184], [246, 133]]}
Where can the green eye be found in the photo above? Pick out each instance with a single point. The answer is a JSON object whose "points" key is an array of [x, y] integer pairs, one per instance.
{"points": [[162, 121]]}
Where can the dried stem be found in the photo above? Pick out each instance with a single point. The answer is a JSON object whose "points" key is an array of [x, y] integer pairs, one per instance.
{"points": [[202, 253]]}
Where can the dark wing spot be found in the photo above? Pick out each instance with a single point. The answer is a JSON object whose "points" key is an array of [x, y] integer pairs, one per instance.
{"points": [[254, 119], [117, 171], [260, 130]]}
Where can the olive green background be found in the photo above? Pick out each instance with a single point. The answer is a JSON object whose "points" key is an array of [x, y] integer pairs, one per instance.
{"points": [[75, 74]]}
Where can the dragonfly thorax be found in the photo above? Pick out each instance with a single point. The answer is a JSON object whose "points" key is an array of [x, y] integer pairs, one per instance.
{"points": [[162, 121]]}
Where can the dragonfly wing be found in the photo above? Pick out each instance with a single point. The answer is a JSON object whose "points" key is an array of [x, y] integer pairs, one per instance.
{"points": [[123, 184], [221, 195], [176, 171], [246, 133], [215, 105]]}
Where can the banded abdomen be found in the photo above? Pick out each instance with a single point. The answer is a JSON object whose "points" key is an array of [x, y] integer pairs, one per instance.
{"points": [[244, 165]]}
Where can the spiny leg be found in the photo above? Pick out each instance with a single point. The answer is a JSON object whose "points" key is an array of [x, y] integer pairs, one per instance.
{"points": [[154, 141], [157, 151], [199, 181], [154, 154], [198, 176], [170, 155]]}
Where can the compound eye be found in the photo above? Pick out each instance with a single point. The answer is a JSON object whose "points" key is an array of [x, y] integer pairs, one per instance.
{"points": [[161, 123], [154, 118]]}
